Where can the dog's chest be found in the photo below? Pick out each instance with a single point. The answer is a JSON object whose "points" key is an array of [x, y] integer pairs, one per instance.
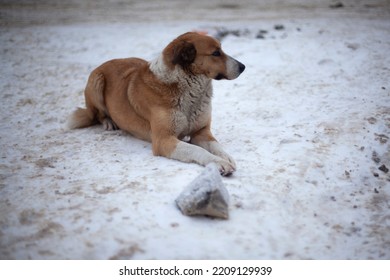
{"points": [[193, 109]]}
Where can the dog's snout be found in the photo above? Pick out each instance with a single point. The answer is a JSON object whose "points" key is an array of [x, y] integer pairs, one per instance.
{"points": [[234, 68], [241, 67]]}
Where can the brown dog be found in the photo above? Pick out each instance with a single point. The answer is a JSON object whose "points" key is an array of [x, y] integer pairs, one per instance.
{"points": [[164, 100]]}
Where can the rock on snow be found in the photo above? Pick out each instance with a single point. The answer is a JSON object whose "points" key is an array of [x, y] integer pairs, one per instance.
{"points": [[206, 195]]}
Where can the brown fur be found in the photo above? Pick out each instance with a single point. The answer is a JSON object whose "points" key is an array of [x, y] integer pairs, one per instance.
{"points": [[164, 100]]}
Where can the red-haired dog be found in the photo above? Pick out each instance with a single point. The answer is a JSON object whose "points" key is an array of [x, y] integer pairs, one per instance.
{"points": [[164, 100]]}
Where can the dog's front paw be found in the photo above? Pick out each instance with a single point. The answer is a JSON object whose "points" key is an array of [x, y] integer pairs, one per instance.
{"points": [[228, 158], [226, 168]]}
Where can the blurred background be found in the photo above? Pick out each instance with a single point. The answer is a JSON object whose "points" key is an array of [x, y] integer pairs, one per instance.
{"points": [[27, 12]]}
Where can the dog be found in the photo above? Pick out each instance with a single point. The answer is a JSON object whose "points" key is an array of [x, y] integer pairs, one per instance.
{"points": [[165, 100]]}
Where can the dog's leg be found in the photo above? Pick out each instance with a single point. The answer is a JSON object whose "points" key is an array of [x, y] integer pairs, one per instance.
{"points": [[186, 152], [173, 148], [206, 140], [166, 144]]}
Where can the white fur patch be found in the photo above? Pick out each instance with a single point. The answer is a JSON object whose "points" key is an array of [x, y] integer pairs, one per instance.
{"points": [[190, 153], [232, 68], [216, 149], [193, 107], [163, 73]]}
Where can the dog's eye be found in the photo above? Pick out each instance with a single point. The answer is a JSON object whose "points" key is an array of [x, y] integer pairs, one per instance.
{"points": [[216, 53]]}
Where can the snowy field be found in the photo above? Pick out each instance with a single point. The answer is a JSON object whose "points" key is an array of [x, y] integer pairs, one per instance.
{"points": [[308, 124]]}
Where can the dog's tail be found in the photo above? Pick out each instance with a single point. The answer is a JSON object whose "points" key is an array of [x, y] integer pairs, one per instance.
{"points": [[81, 118], [96, 109]]}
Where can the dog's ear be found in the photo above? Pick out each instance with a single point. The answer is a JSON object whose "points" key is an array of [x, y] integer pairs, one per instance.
{"points": [[184, 54]]}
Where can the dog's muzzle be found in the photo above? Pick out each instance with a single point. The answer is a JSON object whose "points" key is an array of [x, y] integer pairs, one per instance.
{"points": [[233, 69]]}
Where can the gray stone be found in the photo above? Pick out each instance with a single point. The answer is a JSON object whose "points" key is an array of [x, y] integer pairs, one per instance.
{"points": [[205, 195]]}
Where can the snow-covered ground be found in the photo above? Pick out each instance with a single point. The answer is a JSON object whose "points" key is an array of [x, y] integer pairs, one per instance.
{"points": [[308, 124]]}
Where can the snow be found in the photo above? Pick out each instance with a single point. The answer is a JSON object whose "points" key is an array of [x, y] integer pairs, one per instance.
{"points": [[308, 124]]}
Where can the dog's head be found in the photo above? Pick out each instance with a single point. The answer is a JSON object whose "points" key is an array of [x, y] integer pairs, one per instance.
{"points": [[201, 55]]}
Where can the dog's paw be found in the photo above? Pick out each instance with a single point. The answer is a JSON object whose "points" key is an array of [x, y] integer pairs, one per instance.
{"points": [[228, 158], [108, 124], [226, 168]]}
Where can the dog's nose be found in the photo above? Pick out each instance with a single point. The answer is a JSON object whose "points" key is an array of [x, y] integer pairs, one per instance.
{"points": [[241, 67]]}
